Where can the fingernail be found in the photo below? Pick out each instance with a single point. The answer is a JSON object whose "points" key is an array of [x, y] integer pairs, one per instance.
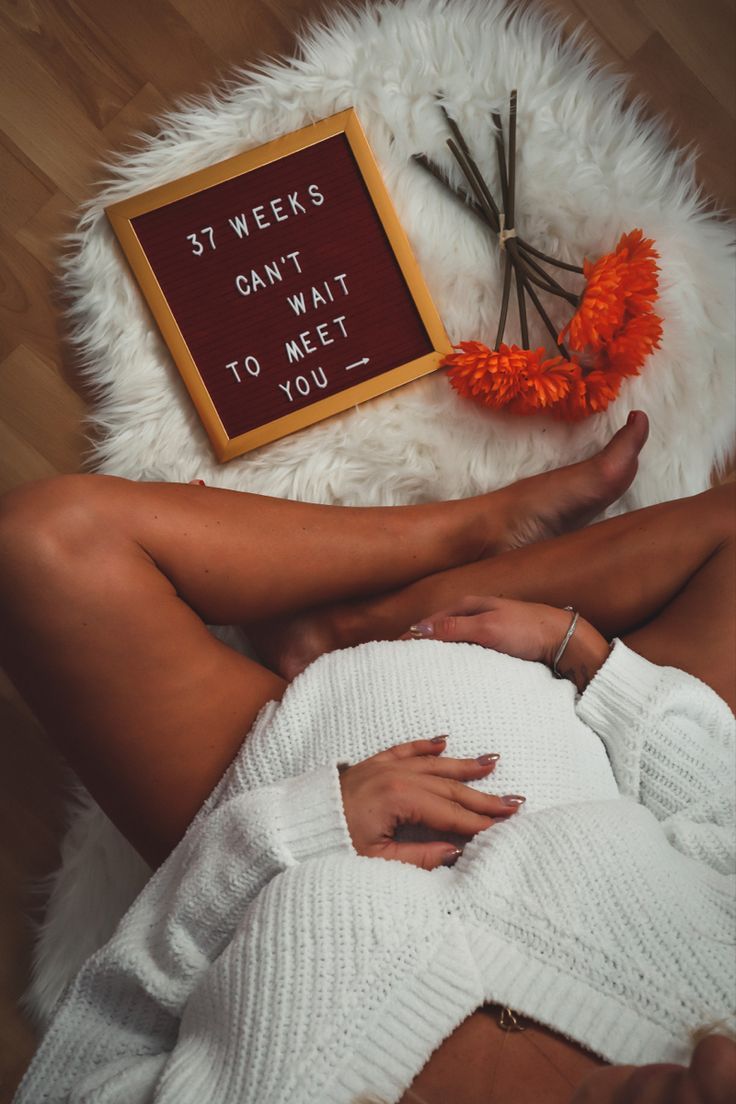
{"points": [[486, 760], [420, 630], [513, 799], [437, 739], [451, 857], [200, 482]]}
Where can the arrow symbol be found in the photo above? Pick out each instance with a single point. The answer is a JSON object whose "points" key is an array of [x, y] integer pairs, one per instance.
{"points": [[365, 360]]}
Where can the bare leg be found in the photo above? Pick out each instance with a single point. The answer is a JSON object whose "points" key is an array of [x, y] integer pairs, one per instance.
{"points": [[663, 576], [105, 585]]}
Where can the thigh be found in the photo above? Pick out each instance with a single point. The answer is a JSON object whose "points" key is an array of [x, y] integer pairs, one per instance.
{"points": [[696, 630], [148, 707]]}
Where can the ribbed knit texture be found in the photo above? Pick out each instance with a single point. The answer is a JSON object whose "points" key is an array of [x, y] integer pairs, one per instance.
{"points": [[266, 961]]}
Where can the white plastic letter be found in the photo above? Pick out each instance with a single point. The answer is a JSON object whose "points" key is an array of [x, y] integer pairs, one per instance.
{"points": [[263, 223], [293, 352], [294, 203], [297, 304], [239, 225]]}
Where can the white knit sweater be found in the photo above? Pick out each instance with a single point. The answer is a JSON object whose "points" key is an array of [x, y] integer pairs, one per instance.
{"points": [[267, 962]]}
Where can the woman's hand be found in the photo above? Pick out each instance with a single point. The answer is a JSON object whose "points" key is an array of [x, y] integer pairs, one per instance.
{"points": [[710, 1079], [411, 784], [527, 630]]}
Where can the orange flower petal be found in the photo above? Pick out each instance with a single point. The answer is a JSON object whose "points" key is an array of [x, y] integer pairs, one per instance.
{"points": [[619, 284], [629, 349]]}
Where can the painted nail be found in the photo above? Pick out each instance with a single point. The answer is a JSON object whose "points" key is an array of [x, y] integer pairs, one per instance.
{"points": [[451, 857], [486, 760], [513, 799], [437, 739], [421, 630], [199, 482]]}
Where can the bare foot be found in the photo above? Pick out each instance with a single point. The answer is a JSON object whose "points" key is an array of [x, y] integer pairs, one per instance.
{"points": [[567, 498], [535, 509], [287, 645]]}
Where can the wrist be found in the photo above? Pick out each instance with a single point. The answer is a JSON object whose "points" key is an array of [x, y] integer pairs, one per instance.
{"points": [[585, 652], [584, 655]]}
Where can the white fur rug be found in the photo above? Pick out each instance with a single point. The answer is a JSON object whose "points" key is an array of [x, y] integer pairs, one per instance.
{"points": [[587, 171]]}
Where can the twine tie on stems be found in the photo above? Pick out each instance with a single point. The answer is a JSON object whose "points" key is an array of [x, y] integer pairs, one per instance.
{"points": [[504, 232]]}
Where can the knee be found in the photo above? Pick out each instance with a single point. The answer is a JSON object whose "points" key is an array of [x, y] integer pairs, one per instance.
{"points": [[46, 525]]}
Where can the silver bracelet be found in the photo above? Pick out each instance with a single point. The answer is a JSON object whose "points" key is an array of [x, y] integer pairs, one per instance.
{"points": [[565, 642]]}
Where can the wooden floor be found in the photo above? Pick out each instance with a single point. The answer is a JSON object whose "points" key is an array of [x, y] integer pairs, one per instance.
{"points": [[77, 79]]}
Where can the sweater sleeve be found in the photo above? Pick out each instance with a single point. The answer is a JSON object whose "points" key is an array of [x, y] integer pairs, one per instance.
{"points": [[671, 741], [117, 1024]]}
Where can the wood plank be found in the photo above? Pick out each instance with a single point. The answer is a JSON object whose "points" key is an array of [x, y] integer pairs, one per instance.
{"points": [[155, 44], [24, 191], [241, 32], [42, 117], [694, 112], [703, 37], [40, 406], [139, 116], [26, 312], [19, 461], [618, 23], [65, 41], [42, 235]]}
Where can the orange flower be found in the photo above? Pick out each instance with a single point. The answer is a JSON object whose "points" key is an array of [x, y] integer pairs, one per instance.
{"points": [[620, 284], [627, 351], [543, 384], [642, 276], [589, 394], [602, 304], [511, 377], [611, 334]]}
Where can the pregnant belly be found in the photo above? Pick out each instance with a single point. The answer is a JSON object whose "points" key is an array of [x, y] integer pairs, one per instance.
{"points": [[350, 704]]}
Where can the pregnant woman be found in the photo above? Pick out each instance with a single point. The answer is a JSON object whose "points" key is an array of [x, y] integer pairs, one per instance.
{"points": [[564, 844]]}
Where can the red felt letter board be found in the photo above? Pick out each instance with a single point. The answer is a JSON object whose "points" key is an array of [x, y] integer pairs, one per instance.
{"points": [[283, 284]]}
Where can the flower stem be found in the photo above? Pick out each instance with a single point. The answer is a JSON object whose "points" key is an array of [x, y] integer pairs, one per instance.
{"points": [[476, 184], [545, 317], [547, 283], [522, 310], [504, 301], [498, 125], [471, 163], [550, 260], [512, 159], [550, 281]]}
